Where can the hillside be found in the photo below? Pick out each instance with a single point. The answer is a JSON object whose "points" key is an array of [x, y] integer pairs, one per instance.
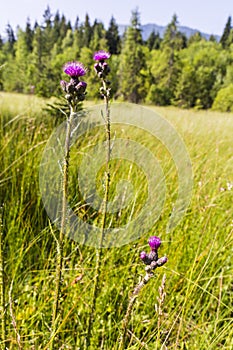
{"points": [[147, 29]]}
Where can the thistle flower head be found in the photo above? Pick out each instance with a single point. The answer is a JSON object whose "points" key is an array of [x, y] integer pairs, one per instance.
{"points": [[143, 255], [101, 55], [74, 69], [154, 242]]}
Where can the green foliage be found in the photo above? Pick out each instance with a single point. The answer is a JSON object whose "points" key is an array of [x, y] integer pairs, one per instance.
{"points": [[154, 41], [203, 68], [173, 38], [132, 63], [197, 312], [224, 100], [113, 38], [226, 34], [171, 70]]}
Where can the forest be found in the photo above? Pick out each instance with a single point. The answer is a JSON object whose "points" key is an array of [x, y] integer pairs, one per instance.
{"points": [[174, 70], [92, 256]]}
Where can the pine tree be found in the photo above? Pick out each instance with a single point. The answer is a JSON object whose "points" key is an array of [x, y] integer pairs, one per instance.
{"points": [[172, 43], [47, 17], [63, 27], [1, 43], [132, 63], [226, 33], [173, 38], [29, 36], [48, 32], [154, 41], [76, 24], [98, 40], [195, 38], [56, 27], [10, 40], [113, 38], [87, 32], [212, 38]]}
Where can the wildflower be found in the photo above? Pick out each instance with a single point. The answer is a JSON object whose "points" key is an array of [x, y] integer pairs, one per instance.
{"points": [[101, 55], [151, 259], [154, 242], [74, 69], [143, 255], [102, 70], [75, 89]]}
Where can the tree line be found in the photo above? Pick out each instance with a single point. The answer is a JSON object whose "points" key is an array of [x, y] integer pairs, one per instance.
{"points": [[173, 70]]}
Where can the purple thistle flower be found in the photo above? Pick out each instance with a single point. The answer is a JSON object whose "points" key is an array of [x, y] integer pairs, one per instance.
{"points": [[82, 84], [74, 69], [81, 87], [143, 255], [101, 55], [154, 242]]}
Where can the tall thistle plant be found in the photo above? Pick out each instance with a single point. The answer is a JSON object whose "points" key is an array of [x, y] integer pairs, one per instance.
{"points": [[75, 91], [102, 70], [152, 262]]}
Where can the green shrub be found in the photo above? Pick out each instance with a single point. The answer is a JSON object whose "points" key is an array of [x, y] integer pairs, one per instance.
{"points": [[224, 99]]}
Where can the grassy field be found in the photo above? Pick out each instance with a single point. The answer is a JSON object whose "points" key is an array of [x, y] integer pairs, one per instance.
{"points": [[198, 309]]}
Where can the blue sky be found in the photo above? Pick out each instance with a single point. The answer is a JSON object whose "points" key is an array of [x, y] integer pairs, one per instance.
{"points": [[208, 16]]}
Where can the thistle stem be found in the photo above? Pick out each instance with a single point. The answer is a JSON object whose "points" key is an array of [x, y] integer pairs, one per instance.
{"points": [[132, 300], [60, 241], [149, 274], [99, 251], [2, 282]]}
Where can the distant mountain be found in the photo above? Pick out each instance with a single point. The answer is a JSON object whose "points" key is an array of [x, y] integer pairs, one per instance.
{"points": [[147, 29]]}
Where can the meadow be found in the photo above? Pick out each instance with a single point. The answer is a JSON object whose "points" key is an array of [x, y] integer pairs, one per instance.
{"points": [[197, 312]]}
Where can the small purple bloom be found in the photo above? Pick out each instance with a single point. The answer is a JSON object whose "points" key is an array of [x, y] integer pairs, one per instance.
{"points": [[74, 69], [81, 87], [82, 84], [154, 242], [143, 255], [101, 55]]}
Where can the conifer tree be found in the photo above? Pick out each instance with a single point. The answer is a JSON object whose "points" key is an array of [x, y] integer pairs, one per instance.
{"points": [[63, 27], [226, 33], [98, 40], [173, 38], [56, 27], [76, 24], [1, 43], [87, 31], [10, 40], [154, 41], [29, 36], [132, 63], [113, 38]]}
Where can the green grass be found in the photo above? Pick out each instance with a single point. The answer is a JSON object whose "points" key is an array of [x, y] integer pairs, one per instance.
{"points": [[197, 312]]}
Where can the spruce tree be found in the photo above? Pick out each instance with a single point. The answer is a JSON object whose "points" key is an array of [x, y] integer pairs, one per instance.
{"points": [[113, 38], [56, 27], [1, 43], [10, 40], [132, 63], [173, 38], [226, 33], [87, 31], [154, 41], [29, 36], [98, 40]]}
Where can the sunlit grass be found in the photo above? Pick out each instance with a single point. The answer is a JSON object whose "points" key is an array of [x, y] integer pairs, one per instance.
{"points": [[198, 305]]}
